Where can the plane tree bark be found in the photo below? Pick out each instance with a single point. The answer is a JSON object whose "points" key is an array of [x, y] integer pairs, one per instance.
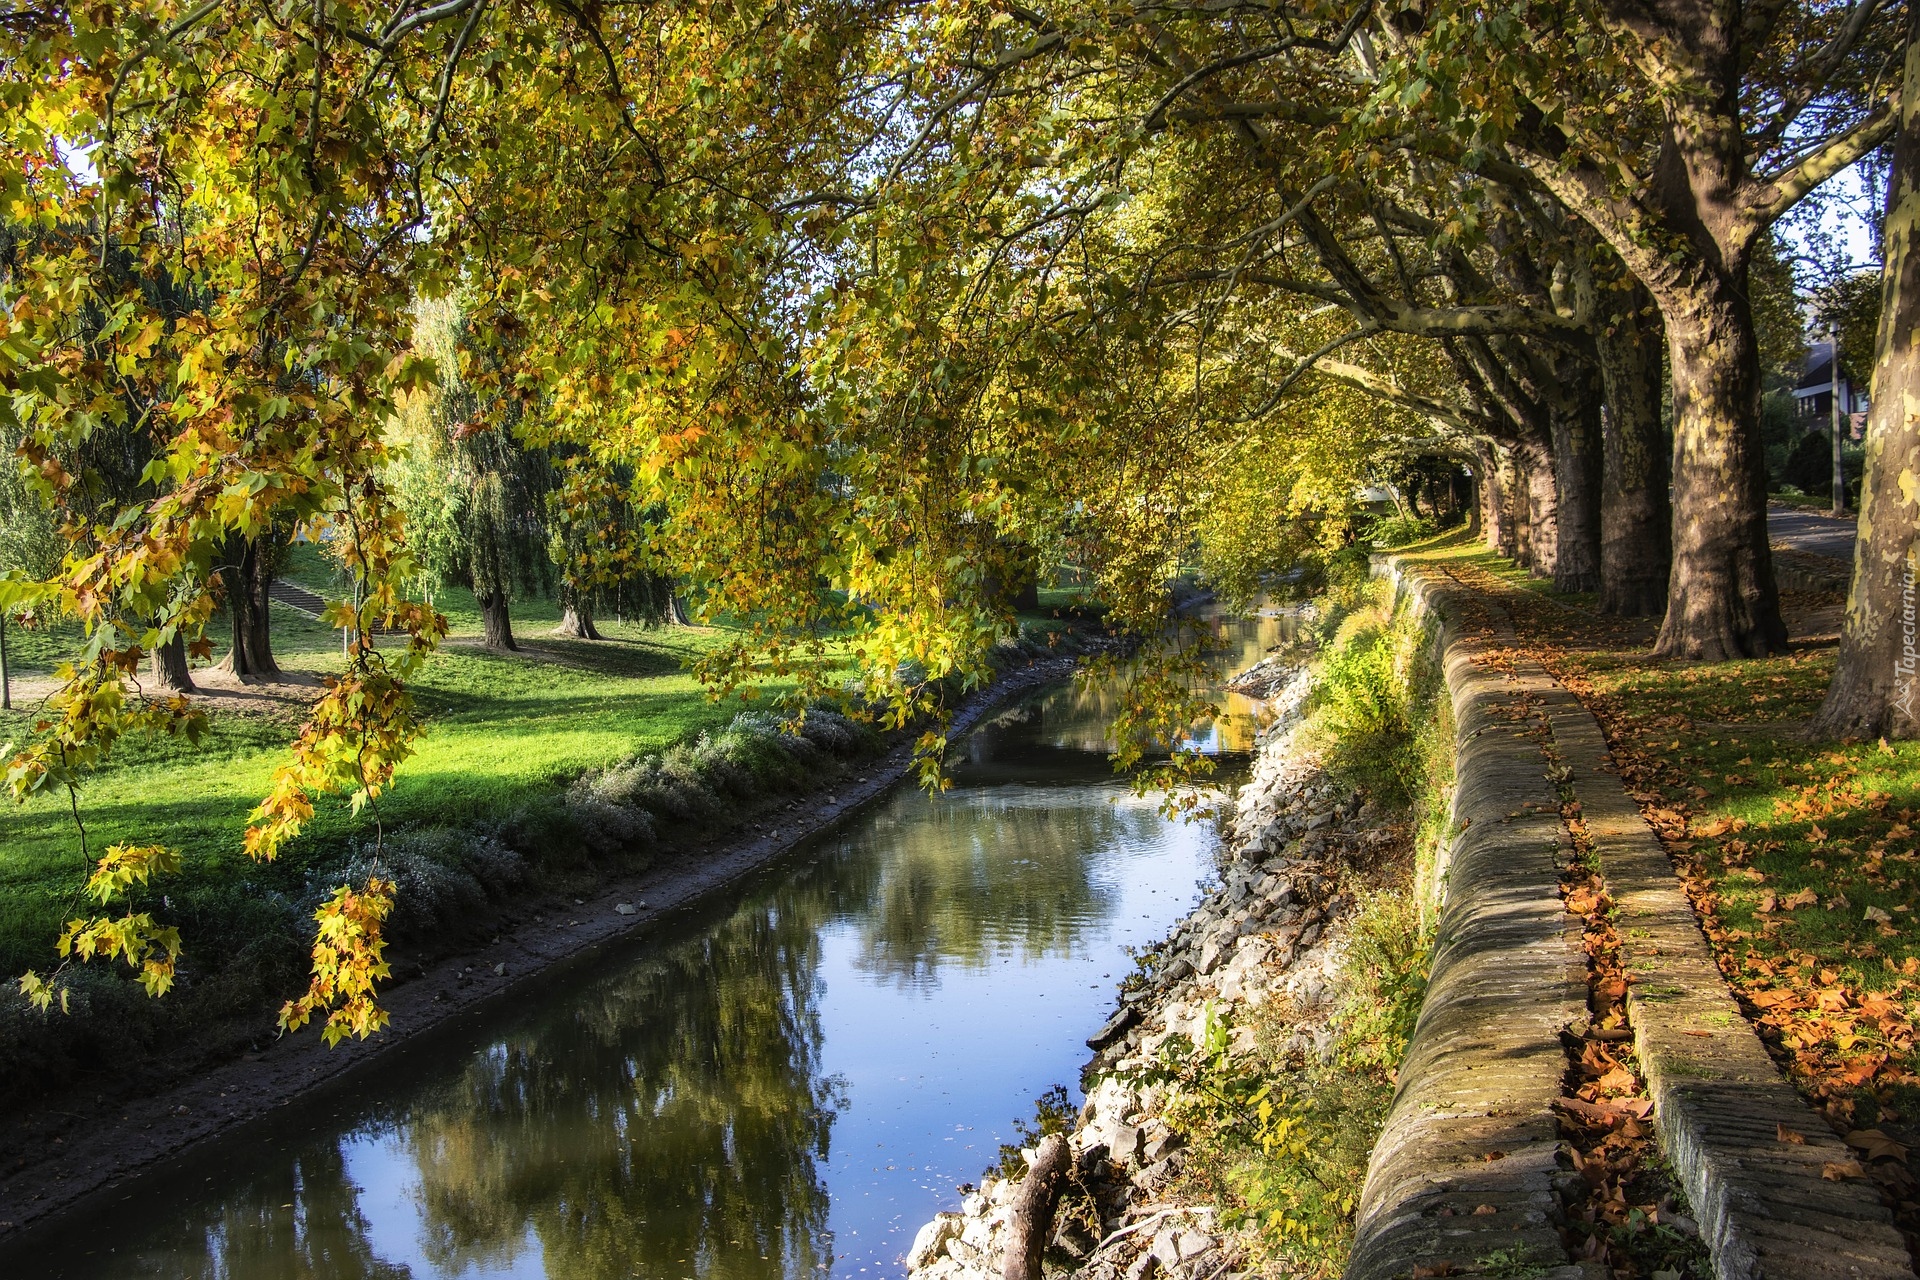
{"points": [[1635, 511]]}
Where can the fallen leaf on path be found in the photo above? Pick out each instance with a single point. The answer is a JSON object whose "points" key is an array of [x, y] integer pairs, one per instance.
{"points": [[1841, 1170], [1788, 1135], [1874, 1144]]}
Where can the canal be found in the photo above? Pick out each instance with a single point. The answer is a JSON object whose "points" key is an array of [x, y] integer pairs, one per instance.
{"points": [[783, 1084]]}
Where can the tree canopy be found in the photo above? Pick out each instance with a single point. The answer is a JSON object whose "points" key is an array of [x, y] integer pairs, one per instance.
{"points": [[843, 314]]}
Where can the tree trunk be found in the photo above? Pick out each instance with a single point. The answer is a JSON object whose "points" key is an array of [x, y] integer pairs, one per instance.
{"points": [[6, 671], [576, 620], [1576, 478], [169, 665], [1875, 685], [1495, 511], [246, 579], [1030, 1221], [1540, 505], [677, 611], [1636, 533], [1721, 600], [496, 620], [260, 623]]}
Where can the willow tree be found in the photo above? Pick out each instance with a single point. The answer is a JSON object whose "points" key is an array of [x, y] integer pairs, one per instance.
{"points": [[605, 547], [473, 488]]}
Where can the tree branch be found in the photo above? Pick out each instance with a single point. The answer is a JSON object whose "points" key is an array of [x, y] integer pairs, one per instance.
{"points": [[1776, 195]]}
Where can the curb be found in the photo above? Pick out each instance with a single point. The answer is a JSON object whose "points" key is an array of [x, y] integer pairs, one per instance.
{"points": [[1719, 1101]]}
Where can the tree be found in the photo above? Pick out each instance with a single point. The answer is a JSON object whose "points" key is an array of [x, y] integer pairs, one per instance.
{"points": [[1680, 133], [1876, 687], [30, 548], [481, 504], [247, 568], [604, 548]]}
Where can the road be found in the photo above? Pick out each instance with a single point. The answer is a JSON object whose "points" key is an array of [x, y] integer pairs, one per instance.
{"points": [[1810, 531]]}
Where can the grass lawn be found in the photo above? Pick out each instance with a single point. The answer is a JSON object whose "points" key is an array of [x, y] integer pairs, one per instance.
{"points": [[503, 730], [1800, 856]]}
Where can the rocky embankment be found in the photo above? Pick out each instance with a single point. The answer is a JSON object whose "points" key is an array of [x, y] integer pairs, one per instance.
{"points": [[1267, 938]]}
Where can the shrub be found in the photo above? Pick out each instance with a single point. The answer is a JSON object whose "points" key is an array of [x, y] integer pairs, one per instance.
{"points": [[836, 733], [1362, 714], [431, 898], [1382, 980], [1401, 529]]}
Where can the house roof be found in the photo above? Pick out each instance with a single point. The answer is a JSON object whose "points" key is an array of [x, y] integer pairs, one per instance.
{"points": [[1816, 372]]}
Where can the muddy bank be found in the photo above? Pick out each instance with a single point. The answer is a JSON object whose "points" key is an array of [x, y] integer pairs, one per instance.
{"points": [[1267, 938], [59, 1155]]}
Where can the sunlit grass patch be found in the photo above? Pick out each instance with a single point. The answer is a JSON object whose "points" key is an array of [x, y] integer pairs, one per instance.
{"points": [[501, 732]]}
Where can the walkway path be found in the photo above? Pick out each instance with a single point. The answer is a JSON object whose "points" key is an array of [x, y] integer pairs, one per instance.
{"points": [[1467, 1168], [1811, 531]]}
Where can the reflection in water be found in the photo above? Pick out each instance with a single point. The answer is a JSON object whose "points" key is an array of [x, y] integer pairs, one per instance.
{"points": [[1078, 722], [626, 1152], [999, 873], [779, 1087]]}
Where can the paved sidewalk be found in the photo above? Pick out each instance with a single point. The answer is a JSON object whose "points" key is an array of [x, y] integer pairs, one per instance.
{"points": [[1813, 532]]}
